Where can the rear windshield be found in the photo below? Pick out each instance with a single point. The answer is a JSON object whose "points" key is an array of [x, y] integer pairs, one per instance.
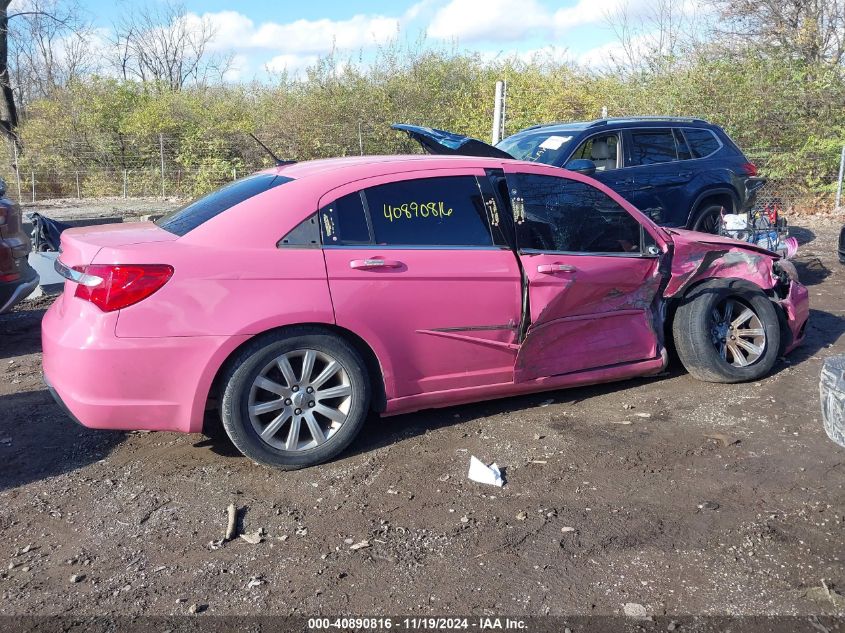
{"points": [[189, 217], [540, 147]]}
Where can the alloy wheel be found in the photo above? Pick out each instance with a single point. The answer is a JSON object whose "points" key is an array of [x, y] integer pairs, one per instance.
{"points": [[300, 400], [737, 332]]}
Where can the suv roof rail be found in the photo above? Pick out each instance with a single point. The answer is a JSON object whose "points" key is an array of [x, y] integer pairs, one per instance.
{"points": [[621, 119], [671, 119]]}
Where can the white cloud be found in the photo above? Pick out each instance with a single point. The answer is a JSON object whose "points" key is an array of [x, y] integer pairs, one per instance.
{"points": [[290, 63], [468, 20], [233, 30]]}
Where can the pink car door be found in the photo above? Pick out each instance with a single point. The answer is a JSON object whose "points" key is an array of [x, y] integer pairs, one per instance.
{"points": [[592, 274], [418, 269]]}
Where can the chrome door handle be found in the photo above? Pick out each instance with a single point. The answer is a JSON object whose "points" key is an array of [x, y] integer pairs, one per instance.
{"points": [[364, 264], [550, 269]]}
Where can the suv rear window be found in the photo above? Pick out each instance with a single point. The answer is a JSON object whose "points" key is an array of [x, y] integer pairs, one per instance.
{"points": [[195, 213], [702, 143]]}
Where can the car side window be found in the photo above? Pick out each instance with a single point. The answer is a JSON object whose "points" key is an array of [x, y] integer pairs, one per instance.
{"points": [[558, 214], [602, 150], [344, 221], [649, 147], [446, 211], [702, 143]]}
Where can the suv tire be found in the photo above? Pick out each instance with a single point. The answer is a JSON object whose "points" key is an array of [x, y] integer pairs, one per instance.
{"points": [[708, 218]]}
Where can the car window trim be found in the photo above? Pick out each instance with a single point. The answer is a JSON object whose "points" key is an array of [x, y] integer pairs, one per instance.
{"points": [[366, 206], [418, 247], [638, 254]]}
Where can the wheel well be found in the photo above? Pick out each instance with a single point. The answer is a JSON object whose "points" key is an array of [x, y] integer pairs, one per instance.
{"points": [[378, 401], [724, 199]]}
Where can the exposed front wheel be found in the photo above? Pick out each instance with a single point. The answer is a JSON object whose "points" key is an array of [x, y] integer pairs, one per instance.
{"points": [[296, 399], [727, 331]]}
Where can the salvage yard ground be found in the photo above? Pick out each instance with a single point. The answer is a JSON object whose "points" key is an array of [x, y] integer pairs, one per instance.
{"points": [[673, 494]]}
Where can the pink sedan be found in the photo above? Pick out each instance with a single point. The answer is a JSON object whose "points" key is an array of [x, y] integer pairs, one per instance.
{"points": [[303, 297]]}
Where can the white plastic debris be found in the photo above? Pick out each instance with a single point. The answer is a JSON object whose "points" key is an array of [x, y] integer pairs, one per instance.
{"points": [[484, 474]]}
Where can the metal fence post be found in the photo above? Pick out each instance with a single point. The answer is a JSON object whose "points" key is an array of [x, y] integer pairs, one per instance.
{"points": [[33, 186], [17, 170], [839, 181], [161, 154], [78, 193], [125, 173], [360, 139], [234, 173]]}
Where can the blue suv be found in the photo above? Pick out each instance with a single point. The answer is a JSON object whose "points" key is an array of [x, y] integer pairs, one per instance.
{"points": [[681, 172]]}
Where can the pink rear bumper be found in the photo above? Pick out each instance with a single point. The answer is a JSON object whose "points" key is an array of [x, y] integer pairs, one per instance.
{"points": [[106, 382]]}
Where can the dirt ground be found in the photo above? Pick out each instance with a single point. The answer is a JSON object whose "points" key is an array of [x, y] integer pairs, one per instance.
{"points": [[680, 496]]}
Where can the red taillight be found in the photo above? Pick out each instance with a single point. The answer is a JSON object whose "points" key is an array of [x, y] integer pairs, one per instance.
{"points": [[750, 169], [10, 277], [114, 287]]}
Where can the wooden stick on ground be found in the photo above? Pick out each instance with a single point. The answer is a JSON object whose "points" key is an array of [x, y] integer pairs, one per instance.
{"points": [[233, 516]]}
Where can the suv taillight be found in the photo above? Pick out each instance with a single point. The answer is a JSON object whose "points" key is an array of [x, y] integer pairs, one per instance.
{"points": [[112, 287], [750, 169]]}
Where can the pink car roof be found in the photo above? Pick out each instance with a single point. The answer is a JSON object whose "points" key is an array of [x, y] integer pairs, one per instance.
{"points": [[348, 168]]}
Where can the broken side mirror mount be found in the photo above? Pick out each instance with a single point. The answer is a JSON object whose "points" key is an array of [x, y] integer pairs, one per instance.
{"points": [[582, 166]]}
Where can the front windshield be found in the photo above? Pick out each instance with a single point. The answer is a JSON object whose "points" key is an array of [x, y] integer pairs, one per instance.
{"points": [[538, 147]]}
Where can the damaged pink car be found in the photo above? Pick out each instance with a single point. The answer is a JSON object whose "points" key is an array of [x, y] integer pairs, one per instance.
{"points": [[301, 298]]}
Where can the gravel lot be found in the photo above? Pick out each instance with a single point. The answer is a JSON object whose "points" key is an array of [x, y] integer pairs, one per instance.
{"points": [[680, 496]]}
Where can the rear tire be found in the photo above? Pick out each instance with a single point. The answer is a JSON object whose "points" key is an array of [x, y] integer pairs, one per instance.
{"points": [[708, 219], [727, 331], [296, 398]]}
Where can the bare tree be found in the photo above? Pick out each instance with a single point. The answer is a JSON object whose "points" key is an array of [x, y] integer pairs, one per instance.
{"points": [[161, 43], [50, 45], [810, 30], [660, 33], [8, 110]]}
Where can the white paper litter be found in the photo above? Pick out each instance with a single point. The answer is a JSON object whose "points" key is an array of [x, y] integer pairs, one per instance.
{"points": [[484, 474]]}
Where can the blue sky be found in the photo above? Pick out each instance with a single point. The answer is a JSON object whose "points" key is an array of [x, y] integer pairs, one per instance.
{"points": [[271, 36]]}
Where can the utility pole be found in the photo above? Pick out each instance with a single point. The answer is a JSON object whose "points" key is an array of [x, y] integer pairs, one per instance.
{"points": [[497, 112], [839, 182]]}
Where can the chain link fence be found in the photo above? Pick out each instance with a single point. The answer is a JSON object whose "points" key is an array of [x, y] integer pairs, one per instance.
{"points": [[166, 167]]}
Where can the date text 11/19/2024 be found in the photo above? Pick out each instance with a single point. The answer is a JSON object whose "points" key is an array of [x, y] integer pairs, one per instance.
{"points": [[417, 624]]}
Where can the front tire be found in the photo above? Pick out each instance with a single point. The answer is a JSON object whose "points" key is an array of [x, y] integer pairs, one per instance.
{"points": [[727, 330], [296, 398]]}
